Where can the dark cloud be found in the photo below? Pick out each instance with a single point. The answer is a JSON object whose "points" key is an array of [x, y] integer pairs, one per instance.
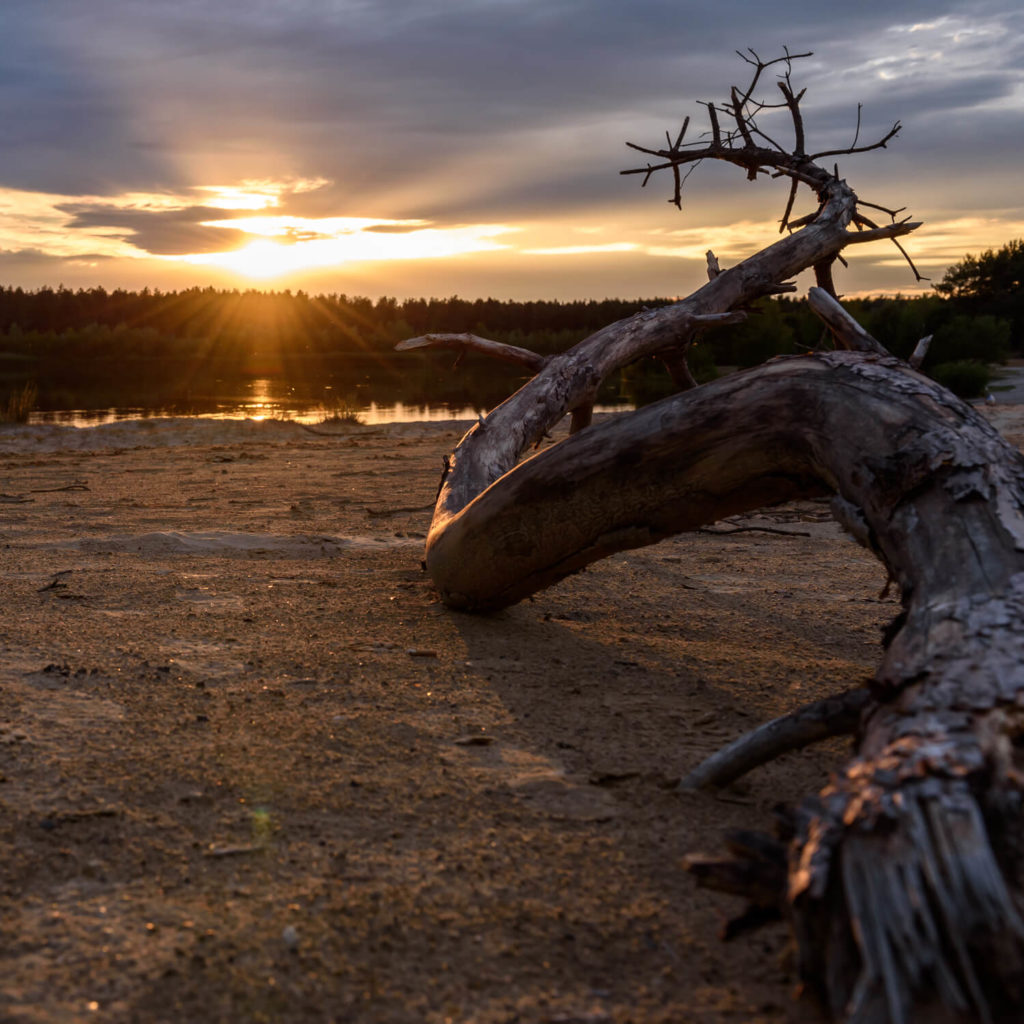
{"points": [[368, 93], [393, 229], [20, 256], [23, 257], [64, 125], [158, 232]]}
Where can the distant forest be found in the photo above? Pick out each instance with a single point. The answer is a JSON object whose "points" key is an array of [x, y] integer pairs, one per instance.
{"points": [[68, 342]]}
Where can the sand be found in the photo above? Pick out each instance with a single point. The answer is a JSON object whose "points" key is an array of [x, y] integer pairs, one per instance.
{"points": [[252, 770]]}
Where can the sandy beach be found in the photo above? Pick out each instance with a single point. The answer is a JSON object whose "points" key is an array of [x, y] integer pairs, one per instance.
{"points": [[252, 770]]}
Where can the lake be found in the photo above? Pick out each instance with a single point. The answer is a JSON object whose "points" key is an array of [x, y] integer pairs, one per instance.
{"points": [[267, 398]]}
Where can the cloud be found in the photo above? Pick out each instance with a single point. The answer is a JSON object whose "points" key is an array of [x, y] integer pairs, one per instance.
{"points": [[368, 95], [401, 228], [580, 250], [33, 256], [469, 112], [239, 229], [157, 232]]}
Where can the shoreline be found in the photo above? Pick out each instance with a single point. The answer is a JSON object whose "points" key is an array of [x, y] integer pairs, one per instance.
{"points": [[165, 432], [198, 430]]}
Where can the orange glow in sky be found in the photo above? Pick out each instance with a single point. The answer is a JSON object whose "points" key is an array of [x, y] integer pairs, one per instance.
{"points": [[430, 148]]}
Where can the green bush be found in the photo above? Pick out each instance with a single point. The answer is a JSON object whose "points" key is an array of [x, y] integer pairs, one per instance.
{"points": [[983, 339], [963, 377]]}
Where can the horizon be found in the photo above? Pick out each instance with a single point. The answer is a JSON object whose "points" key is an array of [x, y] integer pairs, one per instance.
{"points": [[271, 291], [413, 150]]}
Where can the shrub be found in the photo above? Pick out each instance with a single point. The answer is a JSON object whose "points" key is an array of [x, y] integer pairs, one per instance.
{"points": [[963, 377], [341, 412], [984, 339]]}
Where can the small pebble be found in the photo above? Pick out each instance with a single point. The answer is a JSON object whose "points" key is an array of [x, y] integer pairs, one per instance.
{"points": [[290, 936]]}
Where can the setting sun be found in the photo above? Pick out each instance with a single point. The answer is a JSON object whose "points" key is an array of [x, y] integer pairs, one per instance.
{"points": [[283, 245], [258, 259]]}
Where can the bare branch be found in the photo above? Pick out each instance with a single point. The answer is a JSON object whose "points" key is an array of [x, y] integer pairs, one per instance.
{"points": [[888, 231], [837, 715], [880, 144], [874, 206], [823, 275], [804, 221], [644, 149], [682, 133], [793, 189], [761, 65], [740, 118], [471, 342], [716, 131], [767, 138], [856, 134], [910, 262], [793, 102], [740, 148]]}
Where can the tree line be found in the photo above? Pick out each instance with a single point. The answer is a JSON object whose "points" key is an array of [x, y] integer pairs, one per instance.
{"points": [[976, 315]]}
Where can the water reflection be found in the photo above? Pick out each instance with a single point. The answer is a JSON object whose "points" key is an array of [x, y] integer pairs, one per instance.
{"points": [[261, 406], [374, 414], [417, 395]]}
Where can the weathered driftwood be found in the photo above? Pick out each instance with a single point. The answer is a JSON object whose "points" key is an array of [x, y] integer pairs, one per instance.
{"points": [[942, 497], [904, 876]]}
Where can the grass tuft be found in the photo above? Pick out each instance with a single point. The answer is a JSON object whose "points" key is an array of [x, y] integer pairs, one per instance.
{"points": [[341, 413], [18, 405]]}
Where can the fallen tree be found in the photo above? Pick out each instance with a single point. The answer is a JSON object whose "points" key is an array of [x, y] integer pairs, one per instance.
{"points": [[903, 878]]}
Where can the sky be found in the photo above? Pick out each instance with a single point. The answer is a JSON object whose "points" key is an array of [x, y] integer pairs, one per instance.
{"points": [[473, 147]]}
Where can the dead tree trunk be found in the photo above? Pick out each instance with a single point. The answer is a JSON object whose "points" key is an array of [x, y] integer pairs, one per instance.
{"points": [[904, 875]]}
